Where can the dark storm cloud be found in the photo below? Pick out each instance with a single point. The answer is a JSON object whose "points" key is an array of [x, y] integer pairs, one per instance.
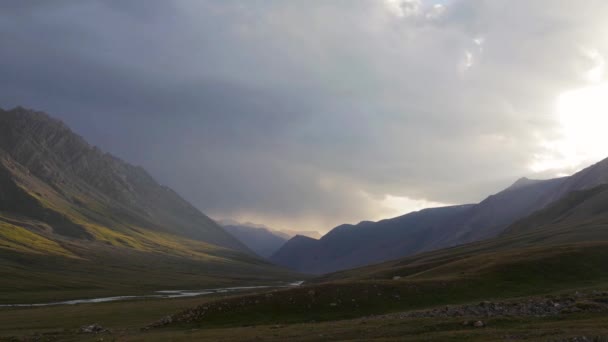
{"points": [[303, 113]]}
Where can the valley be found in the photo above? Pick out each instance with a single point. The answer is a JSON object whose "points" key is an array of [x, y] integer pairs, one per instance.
{"points": [[113, 250], [328, 170]]}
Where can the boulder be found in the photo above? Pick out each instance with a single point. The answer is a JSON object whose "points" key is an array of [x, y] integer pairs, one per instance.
{"points": [[479, 324], [92, 329]]}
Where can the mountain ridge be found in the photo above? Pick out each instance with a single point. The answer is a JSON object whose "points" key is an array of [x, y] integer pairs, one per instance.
{"points": [[477, 222], [80, 218], [261, 240]]}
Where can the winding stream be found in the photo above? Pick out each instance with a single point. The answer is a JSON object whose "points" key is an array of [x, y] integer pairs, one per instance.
{"points": [[165, 294]]}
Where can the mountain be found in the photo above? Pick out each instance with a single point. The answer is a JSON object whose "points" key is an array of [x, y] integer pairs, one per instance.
{"points": [[262, 241], [290, 233], [65, 206], [46, 150], [579, 213], [548, 266], [283, 233], [567, 239], [491, 216], [295, 253], [349, 246]]}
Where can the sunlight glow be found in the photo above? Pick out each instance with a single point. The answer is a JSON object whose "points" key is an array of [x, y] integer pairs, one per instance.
{"points": [[583, 115], [404, 8], [397, 205]]}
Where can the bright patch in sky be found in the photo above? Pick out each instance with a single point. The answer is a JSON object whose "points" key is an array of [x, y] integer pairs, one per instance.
{"points": [[397, 206], [583, 115], [411, 8], [404, 8], [436, 11]]}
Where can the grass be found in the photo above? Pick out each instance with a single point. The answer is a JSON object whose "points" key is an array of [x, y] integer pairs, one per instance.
{"points": [[36, 269], [537, 271], [335, 309], [30, 278], [394, 329], [67, 241], [117, 315], [18, 239], [126, 318]]}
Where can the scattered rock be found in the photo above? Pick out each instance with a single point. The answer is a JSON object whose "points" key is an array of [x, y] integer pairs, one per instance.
{"points": [[92, 329], [474, 313], [479, 324]]}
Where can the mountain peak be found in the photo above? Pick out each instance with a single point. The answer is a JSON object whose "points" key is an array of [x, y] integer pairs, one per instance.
{"points": [[522, 182], [299, 237]]}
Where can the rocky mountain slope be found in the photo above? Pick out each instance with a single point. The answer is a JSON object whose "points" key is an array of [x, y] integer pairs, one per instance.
{"points": [[66, 206], [350, 246], [40, 151]]}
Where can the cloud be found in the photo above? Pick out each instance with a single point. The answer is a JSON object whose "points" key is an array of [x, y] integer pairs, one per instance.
{"points": [[309, 114]]}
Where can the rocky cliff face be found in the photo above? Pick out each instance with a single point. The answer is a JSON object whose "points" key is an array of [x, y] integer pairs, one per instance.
{"points": [[56, 172]]}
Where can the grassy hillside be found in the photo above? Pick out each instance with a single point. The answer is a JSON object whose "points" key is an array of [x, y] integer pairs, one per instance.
{"points": [[53, 249], [62, 324], [549, 259], [357, 293], [59, 177], [557, 262], [36, 269], [345, 309], [76, 222], [584, 209]]}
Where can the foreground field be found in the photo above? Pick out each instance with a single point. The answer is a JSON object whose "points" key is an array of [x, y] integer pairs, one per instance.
{"points": [[125, 320], [568, 283], [396, 329]]}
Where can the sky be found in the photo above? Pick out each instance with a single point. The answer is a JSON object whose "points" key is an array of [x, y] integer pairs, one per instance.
{"points": [[305, 114]]}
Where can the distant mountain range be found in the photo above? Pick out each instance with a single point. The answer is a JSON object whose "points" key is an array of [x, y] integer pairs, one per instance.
{"points": [[80, 219], [366, 243], [63, 201], [262, 241], [563, 244], [284, 233]]}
